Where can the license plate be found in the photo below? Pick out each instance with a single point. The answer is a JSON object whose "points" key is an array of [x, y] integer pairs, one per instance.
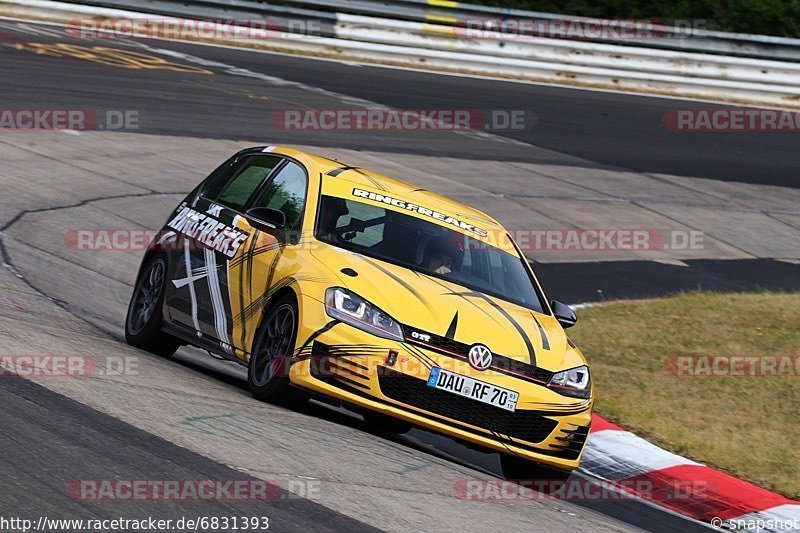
{"points": [[473, 389]]}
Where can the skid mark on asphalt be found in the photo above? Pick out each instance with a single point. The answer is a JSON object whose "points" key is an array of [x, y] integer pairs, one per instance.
{"points": [[105, 55], [5, 256]]}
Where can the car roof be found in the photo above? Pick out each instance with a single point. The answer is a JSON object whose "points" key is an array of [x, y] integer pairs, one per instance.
{"points": [[334, 171]]}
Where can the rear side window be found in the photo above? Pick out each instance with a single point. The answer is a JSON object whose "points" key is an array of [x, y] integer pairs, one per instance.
{"points": [[247, 176]]}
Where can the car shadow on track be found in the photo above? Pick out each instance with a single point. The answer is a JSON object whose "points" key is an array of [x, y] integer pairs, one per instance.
{"points": [[632, 511]]}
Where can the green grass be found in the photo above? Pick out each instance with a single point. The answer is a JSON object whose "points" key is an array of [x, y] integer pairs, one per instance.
{"points": [[748, 426]]}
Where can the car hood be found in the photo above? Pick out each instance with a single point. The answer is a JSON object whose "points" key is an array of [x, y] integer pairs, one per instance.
{"points": [[434, 305]]}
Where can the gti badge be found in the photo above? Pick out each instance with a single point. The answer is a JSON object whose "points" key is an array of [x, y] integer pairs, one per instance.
{"points": [[480, 357], [424, 337]]}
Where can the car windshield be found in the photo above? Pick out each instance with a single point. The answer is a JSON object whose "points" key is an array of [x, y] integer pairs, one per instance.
{"points": [[426, 247]]}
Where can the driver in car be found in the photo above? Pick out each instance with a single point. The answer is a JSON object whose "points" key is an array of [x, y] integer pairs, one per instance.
{"points": [[440, 262], [441, 253]]}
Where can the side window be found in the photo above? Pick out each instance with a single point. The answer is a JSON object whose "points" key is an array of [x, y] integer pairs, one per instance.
{"points": [[338, 215], [247, 177], [286, 192]]}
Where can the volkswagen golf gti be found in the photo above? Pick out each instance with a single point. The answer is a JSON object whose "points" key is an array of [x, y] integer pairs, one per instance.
{"points": [[337, 282]]}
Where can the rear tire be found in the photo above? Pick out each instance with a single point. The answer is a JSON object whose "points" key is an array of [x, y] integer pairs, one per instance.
{"points": [[267, 372], [145, 312]]}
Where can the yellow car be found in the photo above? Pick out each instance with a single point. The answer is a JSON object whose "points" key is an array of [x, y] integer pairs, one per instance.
{"points": [[363, 290]]}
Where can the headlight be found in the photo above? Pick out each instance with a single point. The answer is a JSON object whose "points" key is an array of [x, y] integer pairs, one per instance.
{"points": [[574, 382], [350, 308]]}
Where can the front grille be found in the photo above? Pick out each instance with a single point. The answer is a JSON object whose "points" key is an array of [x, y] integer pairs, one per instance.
{"points": [[437, 341], [416, 393], [460, 350], [535, 373]]}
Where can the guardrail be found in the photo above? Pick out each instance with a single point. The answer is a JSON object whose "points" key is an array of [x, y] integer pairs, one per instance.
{"points": [[437, 36], [445, 12], [686, 39]]}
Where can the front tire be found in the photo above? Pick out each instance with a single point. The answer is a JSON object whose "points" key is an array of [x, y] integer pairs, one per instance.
{"points": [[144, 319], [267, 372]]}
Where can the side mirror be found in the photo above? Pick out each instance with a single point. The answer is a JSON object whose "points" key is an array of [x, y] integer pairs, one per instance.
{"points": [[564, 314], [266, 218]]}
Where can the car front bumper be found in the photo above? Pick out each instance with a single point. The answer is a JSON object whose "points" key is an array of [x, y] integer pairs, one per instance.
{"points": [[390, 377]]}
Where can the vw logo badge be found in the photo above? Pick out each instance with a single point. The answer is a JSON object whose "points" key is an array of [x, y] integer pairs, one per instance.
{"points": [[480, 357]]}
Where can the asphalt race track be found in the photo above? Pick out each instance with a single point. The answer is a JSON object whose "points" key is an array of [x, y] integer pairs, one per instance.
{"points": [[191, 417], [598, 128], [84, 443]]}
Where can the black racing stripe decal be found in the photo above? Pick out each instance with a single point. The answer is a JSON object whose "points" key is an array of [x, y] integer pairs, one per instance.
{"points": [[451, 331], [357, 365], [268, 285], [336, 171], [316, 334], [545, 340], [260, 302], [378, 185], [476, 217], [363, 347], [372, 180], [507, 316], [350, 372], [517, 326], [256, 251], [336, 382], [478, 307], [405, 285], [424, 358], [354, 353], [512, 321], [249, 278], [451, 292], [350, 381]]}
